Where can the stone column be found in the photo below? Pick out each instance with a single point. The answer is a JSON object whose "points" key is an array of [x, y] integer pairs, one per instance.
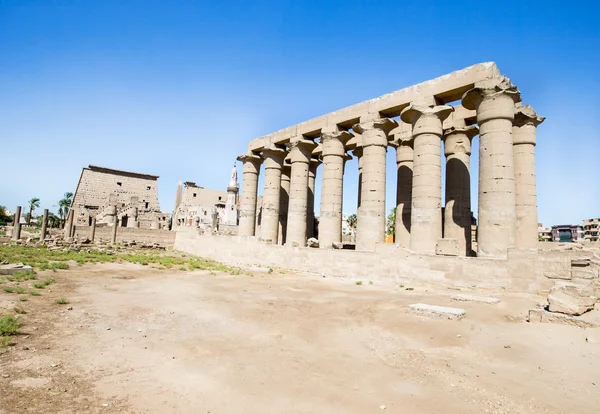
{"points": [[494, 100], [17, 224], [114, 229], [524, 140], [284, 201], [404, 164], [310, 213], [457, 214], [358, 153], [426, 212], [301, 153], [334, 157], [269, 227], [68, 232], [249, 192], [44, 225], [93, 229], [133, 221], [371, 214]]}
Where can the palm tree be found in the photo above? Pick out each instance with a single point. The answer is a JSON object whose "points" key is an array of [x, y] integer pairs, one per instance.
{"points": [[64, 205], [352, 220], [391, 222], [33, 204]]}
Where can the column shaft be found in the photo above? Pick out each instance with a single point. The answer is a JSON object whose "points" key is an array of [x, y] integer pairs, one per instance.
{"points": [[300, 152], [44, 225], [16, 235], [524, 140], [269, 226], [249, 193], [404, 163], [284, 200], [310, 218]]}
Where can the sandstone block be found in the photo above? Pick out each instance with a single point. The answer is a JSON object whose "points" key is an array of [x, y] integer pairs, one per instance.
{"points": [[438, 311], [571, 299], [312, 242], [447, 247], [480, 299], [557, 268], [11, 269]]}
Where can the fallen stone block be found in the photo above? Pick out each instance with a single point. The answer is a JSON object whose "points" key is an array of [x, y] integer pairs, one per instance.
{"points": [[479, 299], [446, 247], [543, 316], [571, 299], [11, 269], [312, 242], [437, 311]]}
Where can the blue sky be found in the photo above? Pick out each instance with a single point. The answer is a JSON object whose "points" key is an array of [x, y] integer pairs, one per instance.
{"points": [[177, 89]]}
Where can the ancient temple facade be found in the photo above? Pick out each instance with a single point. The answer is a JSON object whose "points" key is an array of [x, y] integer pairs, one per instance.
{"points": [[418, 122]]}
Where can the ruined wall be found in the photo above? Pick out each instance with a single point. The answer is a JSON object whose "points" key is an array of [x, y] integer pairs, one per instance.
{"points": [[162, 237], [521, 272]]}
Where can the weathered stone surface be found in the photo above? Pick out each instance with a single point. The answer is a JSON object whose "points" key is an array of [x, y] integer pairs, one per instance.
{"points": [[542, 316], [312, 242], [10, 269], [437, 311], [571, 299], [480, 299], [447, 247]]}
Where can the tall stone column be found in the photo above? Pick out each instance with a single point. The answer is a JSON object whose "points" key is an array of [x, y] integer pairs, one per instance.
{"points": [[404, 164], [114, 228], [371, 214], [457, 214], [358, 153], [16, 235], [68, 231], [524, 140], [269, 227], [426, 212], [284, 202], [494, 100], [249, 193], [334, 157], [44, 225], [93, 229], [301, 153], [312, 176]]}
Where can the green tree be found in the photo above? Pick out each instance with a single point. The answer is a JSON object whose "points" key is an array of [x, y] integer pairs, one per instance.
{"points": [[352, 220], [33, 204], [53, 220], [64, 205], [4, 218], [391, 222]]}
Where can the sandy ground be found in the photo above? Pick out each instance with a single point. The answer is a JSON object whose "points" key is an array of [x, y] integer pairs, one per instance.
{"points": [[144, 340]]}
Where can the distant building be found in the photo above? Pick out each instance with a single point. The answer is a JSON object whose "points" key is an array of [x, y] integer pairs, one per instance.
{"points": [[591, 229], [544, 233], [104, 192], [567, 233]]}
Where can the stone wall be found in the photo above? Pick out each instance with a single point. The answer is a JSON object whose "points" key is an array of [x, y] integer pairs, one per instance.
{"points": [[163, 237], [521, 272]]}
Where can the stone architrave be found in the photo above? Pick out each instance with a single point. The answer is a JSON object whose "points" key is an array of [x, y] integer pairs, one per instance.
{"points": [[334, 157], [371, 214], [312, 177], [16, 235], [426, 212], [269, 227], [300, 154], [457, 214], [524, 140], [284, 201], [44, 225], [248, 197], [494, 101]]}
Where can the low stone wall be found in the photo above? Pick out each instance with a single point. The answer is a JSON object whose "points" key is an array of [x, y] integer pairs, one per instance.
{"points": [[521, 272], [163, 237]]}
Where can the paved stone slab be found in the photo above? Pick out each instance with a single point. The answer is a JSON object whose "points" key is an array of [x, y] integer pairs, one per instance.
{"points": [[438, 311], [543, 316], [480, 299], [11, 269]]}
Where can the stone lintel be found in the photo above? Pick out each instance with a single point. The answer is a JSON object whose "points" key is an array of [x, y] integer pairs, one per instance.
{"points": [[445, 89]]}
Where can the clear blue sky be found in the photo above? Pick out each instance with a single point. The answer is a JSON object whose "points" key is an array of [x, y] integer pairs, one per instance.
{"points": [[178, 88]]}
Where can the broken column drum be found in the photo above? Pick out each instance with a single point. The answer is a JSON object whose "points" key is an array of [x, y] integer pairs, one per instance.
{"points": [[334, 153], [269, 227], [300, 156], [494, 102], [426, 213], [249, 194]]}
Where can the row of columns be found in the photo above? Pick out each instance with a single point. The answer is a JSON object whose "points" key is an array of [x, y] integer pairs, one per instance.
{"points": [[507, 193]]}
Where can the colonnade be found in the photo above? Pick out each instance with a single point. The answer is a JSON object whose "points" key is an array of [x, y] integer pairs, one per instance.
{"points": [[507, 206]]}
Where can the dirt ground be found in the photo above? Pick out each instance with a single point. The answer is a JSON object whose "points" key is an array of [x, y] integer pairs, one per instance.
{"points": [[136, 340]]}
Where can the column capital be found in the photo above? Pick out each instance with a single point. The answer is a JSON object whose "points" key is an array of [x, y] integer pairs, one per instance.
{"points": [[374, 131], [501, 95], [301, 150], [426, 119], [273, 156], [526, 115], [357, 152], [404, 150], [250, 157], [458, 139], [334, 140], [314, 164]]}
